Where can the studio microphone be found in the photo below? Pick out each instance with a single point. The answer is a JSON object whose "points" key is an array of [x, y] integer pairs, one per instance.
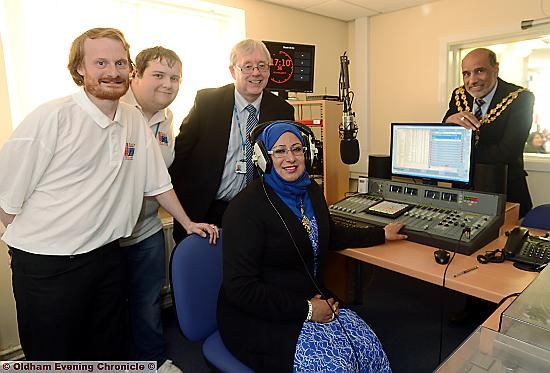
{"points": [[349, 146]]}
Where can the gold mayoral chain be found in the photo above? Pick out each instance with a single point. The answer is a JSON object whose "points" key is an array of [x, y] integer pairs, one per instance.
{"points": [[460, 94]]}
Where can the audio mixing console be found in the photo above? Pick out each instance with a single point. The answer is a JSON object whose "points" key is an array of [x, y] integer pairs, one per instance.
{"points": [[453, 219]]}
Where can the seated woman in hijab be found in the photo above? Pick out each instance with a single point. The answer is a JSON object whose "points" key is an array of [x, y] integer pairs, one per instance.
{"points": [[273, 312]]}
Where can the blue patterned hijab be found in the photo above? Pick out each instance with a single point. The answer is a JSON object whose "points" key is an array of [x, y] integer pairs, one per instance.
{"points": [[291, 192]]}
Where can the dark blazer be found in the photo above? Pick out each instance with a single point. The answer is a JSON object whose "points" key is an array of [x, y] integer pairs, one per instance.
{"points": [[201, 147], [263, 300], [502, 141]]}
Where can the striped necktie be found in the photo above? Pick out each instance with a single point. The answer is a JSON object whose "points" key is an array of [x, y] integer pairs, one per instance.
{"points": [[251, 122], [479, 112]]}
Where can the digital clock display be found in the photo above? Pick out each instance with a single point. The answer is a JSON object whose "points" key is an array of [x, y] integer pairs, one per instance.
{"points": [[292, 66], [283, 67]]}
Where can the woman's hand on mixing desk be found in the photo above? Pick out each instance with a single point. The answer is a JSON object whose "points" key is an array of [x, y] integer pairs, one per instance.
{"points": [[391, 231]]}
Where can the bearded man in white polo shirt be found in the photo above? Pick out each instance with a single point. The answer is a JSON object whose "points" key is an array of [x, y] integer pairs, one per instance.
{"points": [[74, 174]]}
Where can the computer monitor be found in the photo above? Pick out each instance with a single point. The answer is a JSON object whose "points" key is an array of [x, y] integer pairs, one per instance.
{"points": [[293, 67], [432, 151]]}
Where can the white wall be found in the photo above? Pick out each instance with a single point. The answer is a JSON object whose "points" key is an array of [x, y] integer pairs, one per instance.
{"points": [[8, 331], [5, 121]]}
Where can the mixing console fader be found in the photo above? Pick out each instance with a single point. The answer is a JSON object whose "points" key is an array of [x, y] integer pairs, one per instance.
{"points": [[434, 216]]}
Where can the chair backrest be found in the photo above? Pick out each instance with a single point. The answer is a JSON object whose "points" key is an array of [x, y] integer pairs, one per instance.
{"points": [[196, 277], [539, 217]]}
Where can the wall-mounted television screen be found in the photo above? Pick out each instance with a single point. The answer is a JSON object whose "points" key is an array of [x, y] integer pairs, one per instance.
{"points": [[293, 67], [433, 151]]}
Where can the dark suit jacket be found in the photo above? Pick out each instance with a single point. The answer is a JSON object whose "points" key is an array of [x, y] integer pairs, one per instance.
{"points": [[502, 141], [263, 300], [201, 147]]}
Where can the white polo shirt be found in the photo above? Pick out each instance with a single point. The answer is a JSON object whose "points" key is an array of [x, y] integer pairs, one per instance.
{"points": [[75, 178], [162, 128]]}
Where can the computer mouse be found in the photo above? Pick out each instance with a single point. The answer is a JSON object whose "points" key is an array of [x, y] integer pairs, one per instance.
{"points": [[442, 256]]}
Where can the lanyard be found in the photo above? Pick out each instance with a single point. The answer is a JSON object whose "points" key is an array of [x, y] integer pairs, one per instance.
{"points": [[157, 129], [243, 142]]}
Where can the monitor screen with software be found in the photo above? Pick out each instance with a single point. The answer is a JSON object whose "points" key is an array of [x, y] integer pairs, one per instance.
{"points": [[433, 151]]}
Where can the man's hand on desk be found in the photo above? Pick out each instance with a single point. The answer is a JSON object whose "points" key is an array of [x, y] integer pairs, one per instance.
{"points": [[391, 231]]}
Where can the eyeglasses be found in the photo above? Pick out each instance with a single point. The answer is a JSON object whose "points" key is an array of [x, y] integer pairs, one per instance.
{"points": [[249, 68], [281, 151]]}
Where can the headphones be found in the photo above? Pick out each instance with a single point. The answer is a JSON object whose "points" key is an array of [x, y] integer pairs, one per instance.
{"points": [[260, 155]]}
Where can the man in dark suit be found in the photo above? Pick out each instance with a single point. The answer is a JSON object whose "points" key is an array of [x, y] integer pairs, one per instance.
{"points": [[211, 154], [501, 121], [501, 115]]}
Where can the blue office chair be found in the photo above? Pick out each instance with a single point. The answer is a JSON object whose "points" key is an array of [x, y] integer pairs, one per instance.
{"points": [[539, 217], [196, 277]]}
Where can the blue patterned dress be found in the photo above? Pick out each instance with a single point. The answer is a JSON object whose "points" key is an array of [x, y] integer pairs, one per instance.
{"points": [[326, 348]]}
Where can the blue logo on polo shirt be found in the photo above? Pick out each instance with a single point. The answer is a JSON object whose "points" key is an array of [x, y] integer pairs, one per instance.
{"points": [[163, 138], [129, 150]]}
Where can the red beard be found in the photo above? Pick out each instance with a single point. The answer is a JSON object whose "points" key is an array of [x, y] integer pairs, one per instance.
{"points": [[102, 92]]}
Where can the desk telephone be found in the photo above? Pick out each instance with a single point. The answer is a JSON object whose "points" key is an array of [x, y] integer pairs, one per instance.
{"points": [[529, 252]]}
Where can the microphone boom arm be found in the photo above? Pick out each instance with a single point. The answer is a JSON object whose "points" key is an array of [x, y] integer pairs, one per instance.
{"points": [[349, 146]]}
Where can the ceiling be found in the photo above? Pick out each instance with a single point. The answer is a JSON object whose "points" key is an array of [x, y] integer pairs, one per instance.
{"points": [[348, 10]]}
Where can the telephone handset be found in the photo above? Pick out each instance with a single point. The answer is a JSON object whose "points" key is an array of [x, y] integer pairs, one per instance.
{"points": [[530, 253], [516, 239]]}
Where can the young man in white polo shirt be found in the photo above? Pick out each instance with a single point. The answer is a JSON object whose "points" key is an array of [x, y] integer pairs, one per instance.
{"points": [[154, 86], [75, 172]]}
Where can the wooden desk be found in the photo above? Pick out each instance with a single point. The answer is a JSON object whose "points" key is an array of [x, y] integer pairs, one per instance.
{"points": [[492, 281]]}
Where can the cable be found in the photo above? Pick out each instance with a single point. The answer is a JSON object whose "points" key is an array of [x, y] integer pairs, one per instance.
{"points": [[491, 256], [502, 302], [336, 317], [466, 229], [506, 298], [442, 304], [447, 266]]}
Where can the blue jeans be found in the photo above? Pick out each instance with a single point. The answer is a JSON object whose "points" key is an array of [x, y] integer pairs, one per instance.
{"points": [[146, 276]]}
